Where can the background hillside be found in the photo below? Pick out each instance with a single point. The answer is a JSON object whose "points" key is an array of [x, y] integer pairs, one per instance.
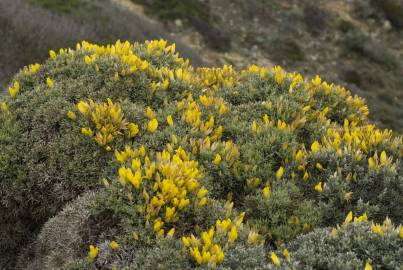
{"points": [[357, 43]]}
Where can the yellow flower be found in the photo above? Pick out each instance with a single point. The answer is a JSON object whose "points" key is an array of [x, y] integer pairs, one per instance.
{"points": [[349, 218], [318, 187], [185, 241], [401, 232], [252, 237], [233, 234], [275, 259], [93, 253], [286, 254], [299, 155], [319, 166], [377, 229], [71, 115], [83, 107], [315, 147], [114, 245], [384, 158], [280, 173], [361, 218], [165, 85], [49, 82], [183, 203], [14, 89], [87, 60], [171, 232], [217, 159], [133, 129], [150, 113], [4, 107], [170, 121], [135, 179], [266, 192], [202, 192], [52, 54], [279, 74], [87, 132], [306, 176], [152, 125], [169, 213], [368, 266], [158, 225], [202, 202]]}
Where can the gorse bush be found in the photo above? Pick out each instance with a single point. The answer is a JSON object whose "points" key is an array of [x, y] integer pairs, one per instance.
{"points": [[192, 168]]}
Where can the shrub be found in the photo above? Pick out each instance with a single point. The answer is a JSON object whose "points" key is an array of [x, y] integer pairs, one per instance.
{"points": [[350, 246], [199, 166]]}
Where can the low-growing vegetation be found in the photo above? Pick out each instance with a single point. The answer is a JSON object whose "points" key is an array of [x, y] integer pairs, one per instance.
{"points": [[125, 156]]}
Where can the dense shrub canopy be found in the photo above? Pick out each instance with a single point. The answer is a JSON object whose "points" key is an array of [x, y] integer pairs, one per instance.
{"points": [[192, 167]]}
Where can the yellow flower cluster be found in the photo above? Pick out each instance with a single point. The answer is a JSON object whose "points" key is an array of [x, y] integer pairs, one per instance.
{"points": [[215, 78], [32, 69], [14, 89], [192, 115], [386, 228], [168, 185], [207, 250], [108, 120]]}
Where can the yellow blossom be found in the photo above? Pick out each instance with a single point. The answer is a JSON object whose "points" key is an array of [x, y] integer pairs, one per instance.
{"points": [[170, 121], [14, 89], [202, 202], [306, 176], [368, 266], [202, 192], [152, 125], [133, 129], [286, 254], [315, 147], [158, 225], [266, 192], [253, 237], [169, 213], [233, 234], [279, 74], [349, 218], [114, 245], [401, 232], [217, 159], [299, 155], [49, 82], [319, 166], [165, 85], [171, 232], [71, 115], [318, 187], [52, 54], [4, 107], [87, 132], [371, 163], [93, 253], [275, 259], [384, 158], [279, 173], [377, 229], [150, 113]]}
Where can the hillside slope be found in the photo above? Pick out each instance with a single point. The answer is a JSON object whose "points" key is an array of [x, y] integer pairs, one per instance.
{"points": [[357, 43]]}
